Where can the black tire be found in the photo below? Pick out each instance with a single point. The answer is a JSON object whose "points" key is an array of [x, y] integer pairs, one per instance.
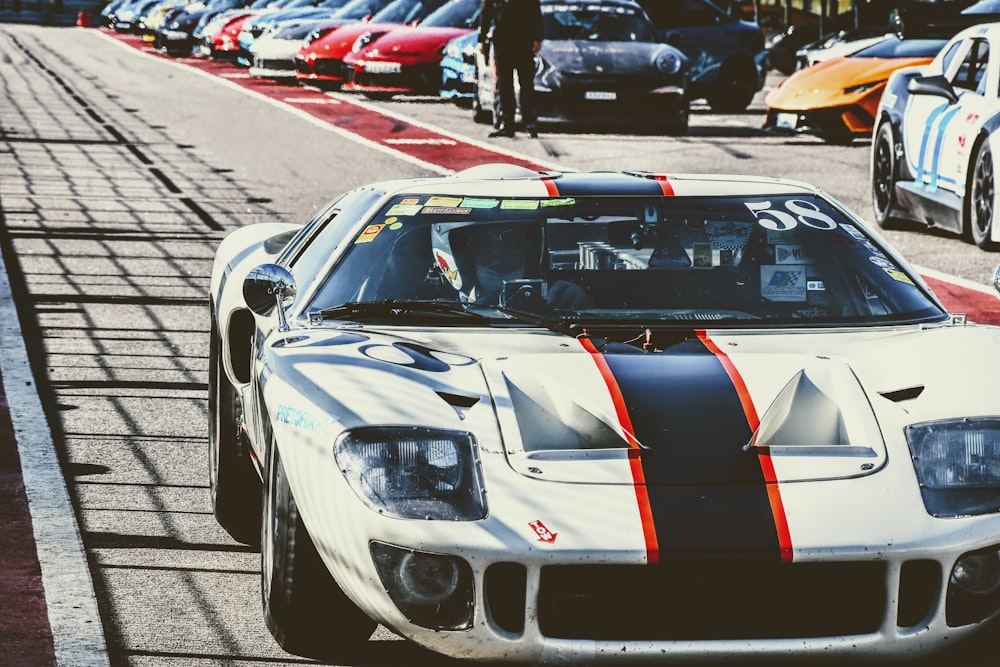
{"points": [[734, 90], [378, 96], [883, 176], [981, 197], [234, 484], [304, 608]]}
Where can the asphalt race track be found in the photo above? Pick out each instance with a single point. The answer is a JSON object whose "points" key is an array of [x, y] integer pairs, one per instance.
{"points": [[120, 171]]}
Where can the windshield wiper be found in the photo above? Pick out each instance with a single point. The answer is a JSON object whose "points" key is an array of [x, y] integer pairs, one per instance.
{"points": [[393, 309]]}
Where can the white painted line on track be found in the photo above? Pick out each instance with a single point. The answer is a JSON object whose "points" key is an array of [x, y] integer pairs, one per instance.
{"points": [[77, 631]]}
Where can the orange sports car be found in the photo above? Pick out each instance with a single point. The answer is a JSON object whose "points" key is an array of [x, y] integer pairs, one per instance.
{"points": [[837, 98]]}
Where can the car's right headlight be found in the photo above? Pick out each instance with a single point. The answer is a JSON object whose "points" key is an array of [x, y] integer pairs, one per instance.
{"points": [[958, 465], [410, 472]]}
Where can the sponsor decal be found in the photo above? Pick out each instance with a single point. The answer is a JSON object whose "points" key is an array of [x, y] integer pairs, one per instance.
{"points": [[370, 234], [480, 202], [543, 533], [443, 201], [562, 201], [404, 209], [519, 204], [303, 420], [783, 283], [895, 274], [447, 210], [790, 254]]}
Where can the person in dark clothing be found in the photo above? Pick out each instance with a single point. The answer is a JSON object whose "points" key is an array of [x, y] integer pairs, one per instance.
{"points": [[513, 29]]}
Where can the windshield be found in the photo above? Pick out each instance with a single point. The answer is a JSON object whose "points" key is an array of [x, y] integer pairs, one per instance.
{"points": [[685, 261], [406, 11], [455, 14], [593, 22], [902, 48]]}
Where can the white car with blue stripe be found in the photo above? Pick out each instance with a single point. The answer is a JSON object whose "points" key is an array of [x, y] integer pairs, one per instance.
{"points": [[932, 148]]}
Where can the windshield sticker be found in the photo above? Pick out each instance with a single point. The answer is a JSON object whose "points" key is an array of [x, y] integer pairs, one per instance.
{"points": [[480, 202], [783, 283], [702, 255], [563, 201], [896, 274], [790, 254], [881, 261], [520, 204], [371, 231], [443, 201], [404, 209], [393, 223], [728, 235], [669, 256], [447, 210]]}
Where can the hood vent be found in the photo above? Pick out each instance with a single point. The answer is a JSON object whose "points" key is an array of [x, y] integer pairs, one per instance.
{"points": [[903, 394]]}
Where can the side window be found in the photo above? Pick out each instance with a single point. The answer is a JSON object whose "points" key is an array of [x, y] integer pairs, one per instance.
{"points": [[972, 71], [317, 247], [949, 56]]}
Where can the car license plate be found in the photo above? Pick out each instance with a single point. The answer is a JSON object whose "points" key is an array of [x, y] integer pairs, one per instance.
{"points": [[787, 120], [382, 67], [600, 95]]}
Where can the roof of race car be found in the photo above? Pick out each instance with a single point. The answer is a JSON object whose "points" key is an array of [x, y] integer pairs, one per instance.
{"points": [[509, 180]]}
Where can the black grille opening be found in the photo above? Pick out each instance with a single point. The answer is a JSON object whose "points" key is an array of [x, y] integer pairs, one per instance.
{"points": [[919, 590], [705, 599], [505, 585]]}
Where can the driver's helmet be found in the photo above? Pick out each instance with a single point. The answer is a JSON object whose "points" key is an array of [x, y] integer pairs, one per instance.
{"points": [[476, 258]]}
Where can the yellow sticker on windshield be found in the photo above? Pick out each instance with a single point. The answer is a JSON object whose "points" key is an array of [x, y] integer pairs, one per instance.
{"points": [[443, 201], [404, 209], [520, 204], [371, 231]]}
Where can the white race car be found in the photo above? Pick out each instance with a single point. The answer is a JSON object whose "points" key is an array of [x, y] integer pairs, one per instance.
{"points": [[550, 417], [936, 132]]}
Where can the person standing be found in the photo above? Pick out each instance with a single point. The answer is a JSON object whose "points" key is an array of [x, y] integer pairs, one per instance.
{"points": [[513, 29]]}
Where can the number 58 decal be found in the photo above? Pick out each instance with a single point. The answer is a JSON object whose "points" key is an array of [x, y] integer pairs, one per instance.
{"points": [[796, 211]]}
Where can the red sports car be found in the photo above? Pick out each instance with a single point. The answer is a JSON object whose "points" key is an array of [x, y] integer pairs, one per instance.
{"points": [[321, 62], [407, 60]]}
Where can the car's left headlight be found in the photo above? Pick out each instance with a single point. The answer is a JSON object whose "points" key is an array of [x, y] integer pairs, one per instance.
{"points": [[958, 465], [668, 61], [410, 472]]}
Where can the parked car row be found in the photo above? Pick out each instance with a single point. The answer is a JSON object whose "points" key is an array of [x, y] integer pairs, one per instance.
{"points": [[649, 58]]}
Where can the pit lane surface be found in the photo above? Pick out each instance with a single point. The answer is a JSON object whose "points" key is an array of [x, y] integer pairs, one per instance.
{"points": [[121, 171]]}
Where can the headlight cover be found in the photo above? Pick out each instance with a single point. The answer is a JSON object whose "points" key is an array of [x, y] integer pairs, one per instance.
{"points": [[667, 61], [409, 472], [957, 462]]}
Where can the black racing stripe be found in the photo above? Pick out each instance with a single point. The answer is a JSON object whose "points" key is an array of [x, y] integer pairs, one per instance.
{"points": [[580, 185], [707, 495]]}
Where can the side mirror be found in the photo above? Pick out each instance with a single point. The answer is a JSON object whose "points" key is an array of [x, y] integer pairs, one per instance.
{"points": [[267, 286], [933, 85]]}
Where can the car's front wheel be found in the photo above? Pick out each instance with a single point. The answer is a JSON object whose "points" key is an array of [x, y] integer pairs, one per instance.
{"points": [[734, 90], [234, 484], [304, 608], [980, 207], [883, 176]]}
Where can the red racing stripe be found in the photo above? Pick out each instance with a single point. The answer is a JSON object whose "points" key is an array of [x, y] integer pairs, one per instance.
{"points": [[763, 455], [668, 190], [550, 186], [635, 462]]}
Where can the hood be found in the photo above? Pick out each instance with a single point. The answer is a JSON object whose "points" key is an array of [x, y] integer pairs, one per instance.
{"points": [[414, 42], [338, 42], [823, 84], [603, 58]]}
